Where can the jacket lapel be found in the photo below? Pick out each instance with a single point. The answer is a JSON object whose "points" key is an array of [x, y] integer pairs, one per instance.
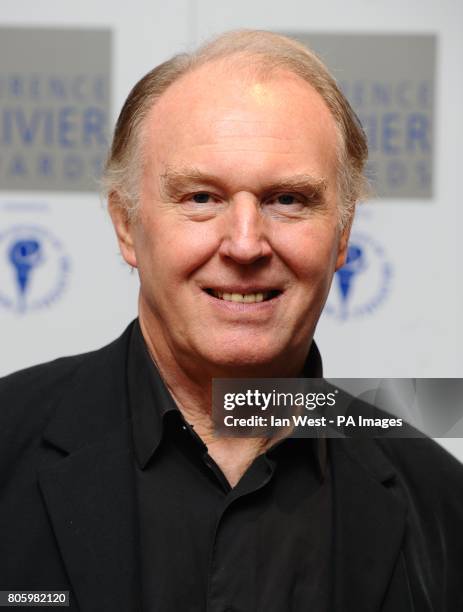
{"points": [[90, 492], [369, 521]]}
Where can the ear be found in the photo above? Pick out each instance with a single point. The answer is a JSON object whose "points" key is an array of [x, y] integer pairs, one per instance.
{"points": [[123, 228], [343, 245]]}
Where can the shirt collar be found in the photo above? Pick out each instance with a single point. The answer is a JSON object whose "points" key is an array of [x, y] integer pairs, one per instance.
{"points": [[150, 400]]}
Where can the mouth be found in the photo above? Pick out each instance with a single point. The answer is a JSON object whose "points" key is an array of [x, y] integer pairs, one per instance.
{"points": [[249, 297]]}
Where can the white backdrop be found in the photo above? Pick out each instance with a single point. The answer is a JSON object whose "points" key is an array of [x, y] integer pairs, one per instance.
{"points": [[414, 332]]}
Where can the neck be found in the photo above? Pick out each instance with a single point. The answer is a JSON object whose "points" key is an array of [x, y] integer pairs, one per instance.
{"points": [[190, 385]]}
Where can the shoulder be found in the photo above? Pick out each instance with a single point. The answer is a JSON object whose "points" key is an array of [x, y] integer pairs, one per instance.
{"points": [[29, 398], [431, 475], [415, 457], [423, 457], [35, 389]]}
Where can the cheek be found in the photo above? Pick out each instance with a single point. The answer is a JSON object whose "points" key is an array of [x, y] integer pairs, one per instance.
{"points": [[174, 247], [312, 254]]}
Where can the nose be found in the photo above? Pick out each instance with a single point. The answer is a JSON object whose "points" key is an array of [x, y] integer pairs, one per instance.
{"points": [[245, 238]]}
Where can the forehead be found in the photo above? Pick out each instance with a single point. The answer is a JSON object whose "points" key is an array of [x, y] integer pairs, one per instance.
{"points": [[221, 112]]}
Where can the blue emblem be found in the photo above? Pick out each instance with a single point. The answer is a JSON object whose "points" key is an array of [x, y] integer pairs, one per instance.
{"points": [[33, 268], [363, 283]]}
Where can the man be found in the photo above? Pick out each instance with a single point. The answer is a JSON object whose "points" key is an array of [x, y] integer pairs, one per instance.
{"points": [[232, 181]]}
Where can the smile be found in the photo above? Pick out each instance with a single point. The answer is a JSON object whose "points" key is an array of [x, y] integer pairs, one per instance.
{"points": [[244, 298]]}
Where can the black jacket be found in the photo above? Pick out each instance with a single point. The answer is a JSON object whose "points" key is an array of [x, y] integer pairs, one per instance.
{"points": [[67, 500]]}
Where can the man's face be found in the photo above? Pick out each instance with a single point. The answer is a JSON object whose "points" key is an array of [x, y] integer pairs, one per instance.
{"points": [[238, 197]]}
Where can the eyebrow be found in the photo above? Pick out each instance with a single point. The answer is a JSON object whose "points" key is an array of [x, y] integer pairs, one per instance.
{"points": [[174, 182]]}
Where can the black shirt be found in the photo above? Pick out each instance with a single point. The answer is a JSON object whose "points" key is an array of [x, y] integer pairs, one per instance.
{"points": [[264, 545]]}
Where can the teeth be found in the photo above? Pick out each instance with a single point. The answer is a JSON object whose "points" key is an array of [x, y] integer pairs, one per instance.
{"points": [[247, 298]]}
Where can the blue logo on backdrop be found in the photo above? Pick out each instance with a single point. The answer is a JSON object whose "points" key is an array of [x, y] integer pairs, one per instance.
{"points": [[33, 268], [363, 283]]}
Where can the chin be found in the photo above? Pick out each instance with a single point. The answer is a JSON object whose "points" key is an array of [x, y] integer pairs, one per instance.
{"points": [[249, 357]]}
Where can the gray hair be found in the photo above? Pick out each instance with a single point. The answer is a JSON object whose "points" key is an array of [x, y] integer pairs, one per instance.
{"points": [[269, 52]]}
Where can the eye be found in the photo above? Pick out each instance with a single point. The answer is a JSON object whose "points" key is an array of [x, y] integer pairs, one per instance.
{"points": [[201, 198], [201, 205], [286, 198]]}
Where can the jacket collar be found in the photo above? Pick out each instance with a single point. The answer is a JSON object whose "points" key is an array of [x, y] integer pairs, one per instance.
{"points": [[95, 401], [90, 497]]}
